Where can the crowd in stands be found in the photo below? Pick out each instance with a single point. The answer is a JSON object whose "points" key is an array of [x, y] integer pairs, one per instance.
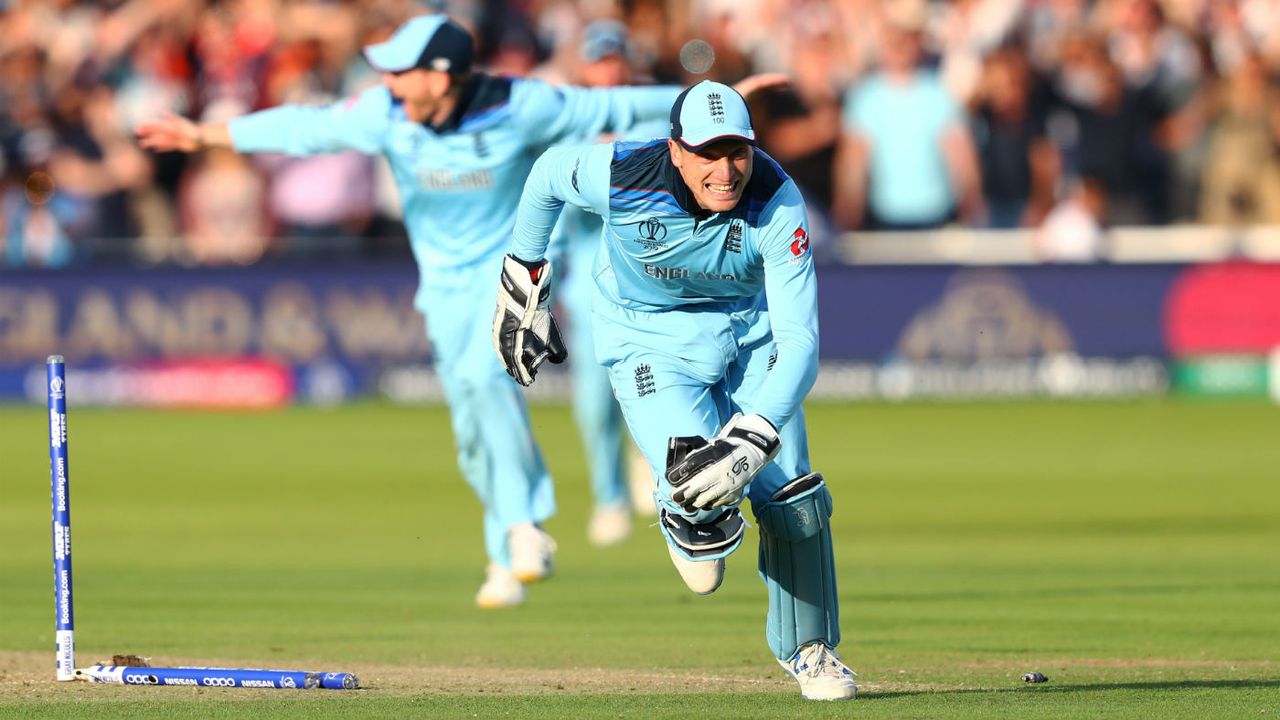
{"points": [[1065, 115]]}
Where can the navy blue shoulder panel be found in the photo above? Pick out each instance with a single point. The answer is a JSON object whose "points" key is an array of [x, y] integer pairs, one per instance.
{"points": [[638, 178], [767, 178], [484, 96]]}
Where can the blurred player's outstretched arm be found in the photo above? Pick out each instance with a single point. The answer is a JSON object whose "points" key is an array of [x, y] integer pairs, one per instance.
{"points": [[357, 123], [559, 114], [173, 133]]}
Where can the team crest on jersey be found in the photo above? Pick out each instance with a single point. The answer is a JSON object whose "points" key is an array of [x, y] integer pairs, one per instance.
{"points": [[733, 239], [651, 233], [799, 244], [644, 380]]}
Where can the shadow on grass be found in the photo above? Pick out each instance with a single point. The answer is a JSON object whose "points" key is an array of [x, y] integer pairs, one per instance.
{"points": [[1093, 687]]}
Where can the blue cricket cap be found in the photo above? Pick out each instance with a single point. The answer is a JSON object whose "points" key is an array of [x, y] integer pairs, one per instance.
{"points": [[431, 42], [603, 38], [710, 112]]}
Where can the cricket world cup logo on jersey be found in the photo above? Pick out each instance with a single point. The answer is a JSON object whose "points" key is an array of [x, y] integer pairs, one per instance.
{"points": [[651, 233]]}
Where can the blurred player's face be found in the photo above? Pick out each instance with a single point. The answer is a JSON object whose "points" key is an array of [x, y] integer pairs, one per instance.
{"points": [[608, 71], [717, 175], [419, 90]]}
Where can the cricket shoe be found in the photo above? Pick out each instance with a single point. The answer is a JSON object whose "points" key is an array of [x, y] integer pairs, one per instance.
{"points": [[501, 589], [702, 576], [821, 674], [532, 552], [610, 525]]}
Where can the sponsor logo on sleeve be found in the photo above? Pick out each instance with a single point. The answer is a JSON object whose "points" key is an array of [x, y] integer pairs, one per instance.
{"points": [[799, 242]]}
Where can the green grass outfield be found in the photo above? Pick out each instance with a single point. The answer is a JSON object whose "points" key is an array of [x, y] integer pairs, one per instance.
{"points": [[1129, 551]]}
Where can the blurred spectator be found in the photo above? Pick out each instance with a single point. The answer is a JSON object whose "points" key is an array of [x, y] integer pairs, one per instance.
{"points": [[1073, 231], [1113, 134], [1150, 53], [1150, 98], [1242, 176], [967, 31], [232, 44], [321, 204], [1047, 26], [223, 202], [33, 218], [1020, 166], [800, 125], [1160, 59], [907, 160]]}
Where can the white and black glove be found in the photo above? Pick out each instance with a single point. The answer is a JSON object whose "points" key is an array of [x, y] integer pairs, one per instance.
{"points": [[716, 474], [524, 332]]}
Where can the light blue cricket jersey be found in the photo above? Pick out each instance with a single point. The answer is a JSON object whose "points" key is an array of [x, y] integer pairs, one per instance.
{"points": [[460, 182], [904, 124], [578, 227], [663, 253]]}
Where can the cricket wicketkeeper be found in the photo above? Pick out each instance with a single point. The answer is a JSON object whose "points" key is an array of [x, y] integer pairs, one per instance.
{"points": [[706, 319]]}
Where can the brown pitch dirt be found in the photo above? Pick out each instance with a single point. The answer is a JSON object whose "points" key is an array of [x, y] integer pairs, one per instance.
{"points": [[28, 676]]}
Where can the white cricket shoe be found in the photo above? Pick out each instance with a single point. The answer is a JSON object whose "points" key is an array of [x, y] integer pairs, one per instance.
{"points": [[640, 484], [501, 589], [702, 577], [821, 674], [610, 525], [531, 552]]}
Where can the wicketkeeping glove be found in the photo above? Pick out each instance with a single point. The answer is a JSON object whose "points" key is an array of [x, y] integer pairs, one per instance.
{"points": [[524, 332], [716, 474]]}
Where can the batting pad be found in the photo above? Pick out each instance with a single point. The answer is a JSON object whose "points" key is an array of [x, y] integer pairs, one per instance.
{"points": [[798, 566]]}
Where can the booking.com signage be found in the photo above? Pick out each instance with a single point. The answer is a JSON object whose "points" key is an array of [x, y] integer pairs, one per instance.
{"points": [[263, 336]]}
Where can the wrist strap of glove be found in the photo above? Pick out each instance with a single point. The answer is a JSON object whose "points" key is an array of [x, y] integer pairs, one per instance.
{"points": [[755, 430], [533, 266]]}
